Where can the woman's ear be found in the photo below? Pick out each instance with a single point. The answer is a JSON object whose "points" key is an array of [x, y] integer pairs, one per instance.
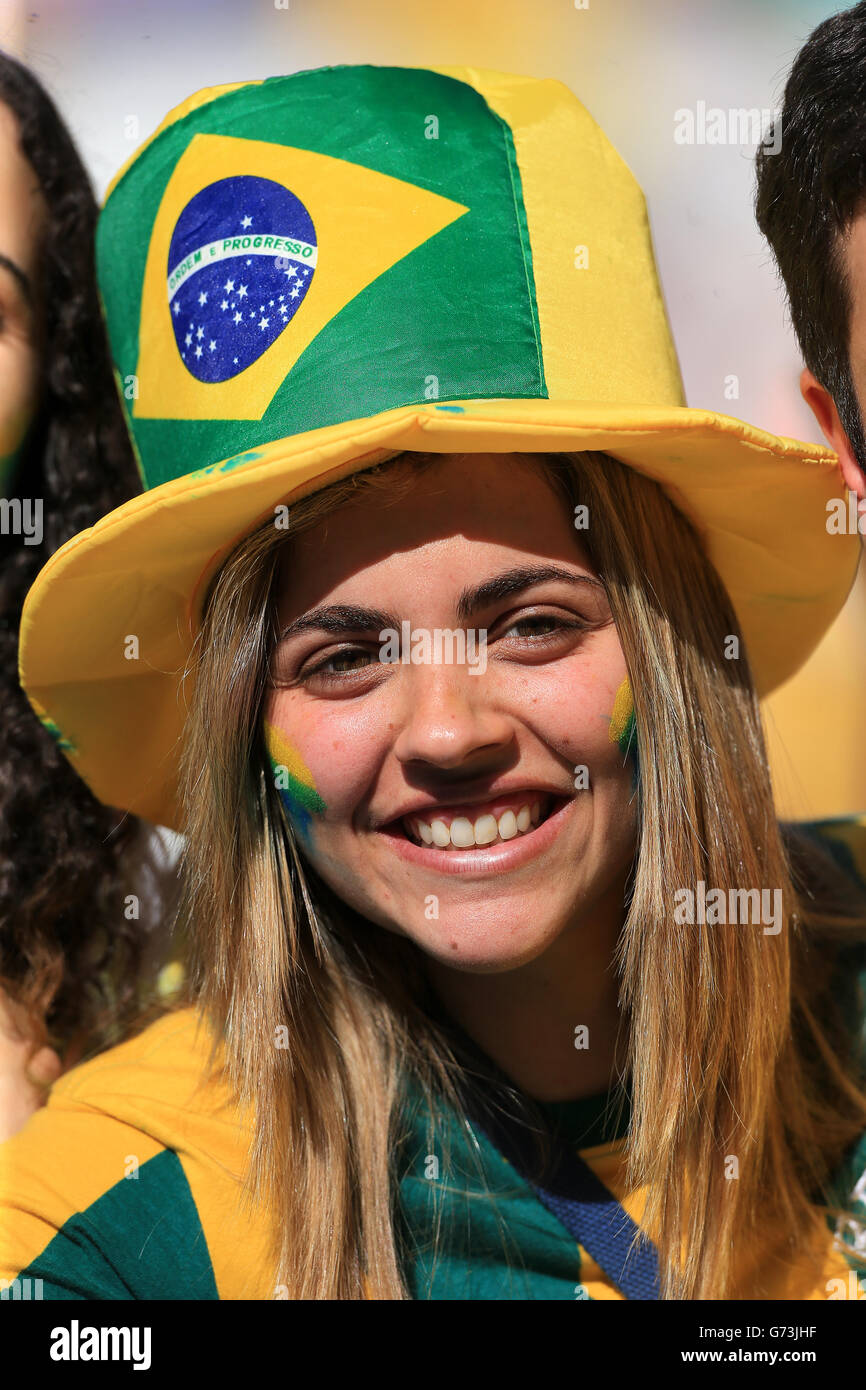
{"points": [[823, 407]]}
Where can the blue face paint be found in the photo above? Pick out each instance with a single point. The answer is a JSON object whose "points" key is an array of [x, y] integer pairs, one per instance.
{"points": [[293, 779]]}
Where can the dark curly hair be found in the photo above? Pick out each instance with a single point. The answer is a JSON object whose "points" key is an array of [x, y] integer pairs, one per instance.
{"points": [[810, 186], [68, 954]]}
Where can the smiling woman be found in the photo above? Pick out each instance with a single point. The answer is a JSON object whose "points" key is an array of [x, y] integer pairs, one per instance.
{"points": [[443, 1034], [388, 741]]}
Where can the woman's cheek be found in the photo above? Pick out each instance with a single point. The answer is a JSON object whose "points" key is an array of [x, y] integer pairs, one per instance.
{"points": [[321, 776], [589, 716], [293, 779], [596, 732], [323, 764]]}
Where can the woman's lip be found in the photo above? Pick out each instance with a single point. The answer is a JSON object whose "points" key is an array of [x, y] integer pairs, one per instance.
{"points": [[495, 806], [480, 863]]}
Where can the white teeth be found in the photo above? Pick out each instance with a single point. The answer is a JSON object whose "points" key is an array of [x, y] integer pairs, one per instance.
{"points": [[486, 830], [441, 833], [463, 833]]}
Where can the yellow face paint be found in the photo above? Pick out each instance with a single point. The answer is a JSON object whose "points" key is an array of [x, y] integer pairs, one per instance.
{"points": [[622, 724], [623, 729], [292, 778]]}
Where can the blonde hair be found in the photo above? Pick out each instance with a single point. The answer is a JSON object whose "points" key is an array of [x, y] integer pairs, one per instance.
{"points": [[733, 1045]]}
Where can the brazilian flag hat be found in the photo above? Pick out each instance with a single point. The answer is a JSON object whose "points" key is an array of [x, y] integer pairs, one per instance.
{"points": [[304, 276]]}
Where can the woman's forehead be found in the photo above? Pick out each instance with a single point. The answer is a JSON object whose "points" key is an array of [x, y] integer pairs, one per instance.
{"points": [[463, 512]]}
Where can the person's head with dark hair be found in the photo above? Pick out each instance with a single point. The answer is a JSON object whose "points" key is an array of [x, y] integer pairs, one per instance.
{"points": [[68, 955], [810, 204]]}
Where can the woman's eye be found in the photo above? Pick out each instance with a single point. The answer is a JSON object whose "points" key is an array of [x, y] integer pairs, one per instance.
{"points": [[533, 632], [541, 625], [342, 663]]}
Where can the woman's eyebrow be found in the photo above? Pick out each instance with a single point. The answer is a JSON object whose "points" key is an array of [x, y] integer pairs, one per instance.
{"points": [[514, 581], [339, 618]]}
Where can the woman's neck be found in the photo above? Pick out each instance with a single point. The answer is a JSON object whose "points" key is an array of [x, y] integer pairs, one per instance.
{"points": [[553, 1026]]}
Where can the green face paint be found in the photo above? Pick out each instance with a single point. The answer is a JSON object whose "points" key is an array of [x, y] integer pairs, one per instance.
{"points": [[293, 779], [623, 728]]}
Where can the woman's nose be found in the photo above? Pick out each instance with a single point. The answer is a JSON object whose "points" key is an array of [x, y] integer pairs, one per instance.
{"points": [[449, 716]]}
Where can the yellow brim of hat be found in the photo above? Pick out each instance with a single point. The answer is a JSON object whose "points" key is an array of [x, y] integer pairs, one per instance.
{"points": [[759, 503]]}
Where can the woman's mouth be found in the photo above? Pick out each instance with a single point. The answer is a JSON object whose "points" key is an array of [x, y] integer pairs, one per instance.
{"points": [[492, 836], [468, 828]]}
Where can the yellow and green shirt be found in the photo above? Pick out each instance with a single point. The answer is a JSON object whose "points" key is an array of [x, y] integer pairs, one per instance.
{"points": [[128, 1185]]}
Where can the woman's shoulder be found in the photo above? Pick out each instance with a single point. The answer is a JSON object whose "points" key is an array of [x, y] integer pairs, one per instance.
{"points": [[127, 1183], [164, 1057]]}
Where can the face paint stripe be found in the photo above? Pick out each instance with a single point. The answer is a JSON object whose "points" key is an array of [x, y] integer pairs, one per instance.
{"points": [[623, 728], [293, 778], [622, 721], [285, 753], [295, 791]]}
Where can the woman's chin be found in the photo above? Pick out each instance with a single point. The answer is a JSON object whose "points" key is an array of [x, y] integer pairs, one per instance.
{"points": [[486, 943]]}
